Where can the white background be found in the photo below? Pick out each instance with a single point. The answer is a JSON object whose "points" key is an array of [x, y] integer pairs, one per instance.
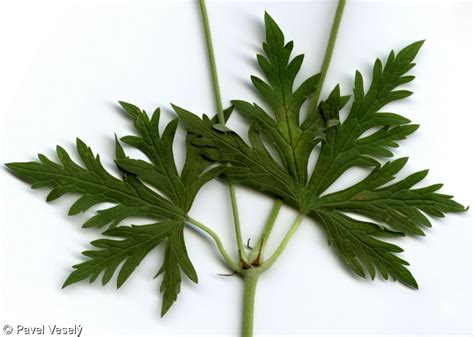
{"points": [[63, 65]]}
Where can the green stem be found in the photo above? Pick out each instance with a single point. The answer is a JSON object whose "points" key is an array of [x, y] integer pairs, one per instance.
{"points": [[250, 287], [328, 55], [238, 232], [267, 264], [258, 249], [212, 62], [252, 274], [221, 118], [228, 260]]}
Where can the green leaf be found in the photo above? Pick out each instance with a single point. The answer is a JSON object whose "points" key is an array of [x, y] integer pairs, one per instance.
{"points": [[252, 164], [274, 160], [364, 138], [132, 198]]}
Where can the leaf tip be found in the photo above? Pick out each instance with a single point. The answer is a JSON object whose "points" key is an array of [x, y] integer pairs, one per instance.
{"points": [[80, 143], [10, 166], [70, 280], [411, 282], [419, 43], [179, 111], [163, 311], [401, 162], [120, 283], [165, 307], [131, 110], [267, 16]]}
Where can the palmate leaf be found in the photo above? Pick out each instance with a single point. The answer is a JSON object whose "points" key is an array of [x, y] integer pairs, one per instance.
{"points": [[362, 139], [132, 198]]}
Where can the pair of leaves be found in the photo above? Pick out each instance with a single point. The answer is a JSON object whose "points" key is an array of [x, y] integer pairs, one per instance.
{"points": [[397, 209], [281, 141], [134, 195]]}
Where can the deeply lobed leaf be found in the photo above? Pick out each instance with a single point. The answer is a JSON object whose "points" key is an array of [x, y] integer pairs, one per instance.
{"points": [[132, 198], [155, 189], [365, 137]]}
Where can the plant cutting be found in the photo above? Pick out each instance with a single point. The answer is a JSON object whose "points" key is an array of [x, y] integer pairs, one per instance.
{"points": [[288, 125]]}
